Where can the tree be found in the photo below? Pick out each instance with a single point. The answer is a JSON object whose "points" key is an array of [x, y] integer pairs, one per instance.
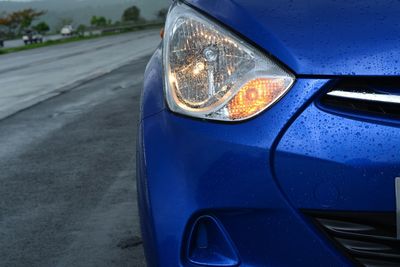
{"points": [[162, 13], [42, 27], [101, 21], [93, 21], [98, 21], [131, 14], [81, 30], [23, 19], [19, 20], [4, 23]]}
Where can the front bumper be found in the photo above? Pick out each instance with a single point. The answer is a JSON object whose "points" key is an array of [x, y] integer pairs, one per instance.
{"points": [[256, 176]]}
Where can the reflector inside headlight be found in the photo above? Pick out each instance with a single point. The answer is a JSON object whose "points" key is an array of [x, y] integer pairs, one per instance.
{"points": [[210, 73]]}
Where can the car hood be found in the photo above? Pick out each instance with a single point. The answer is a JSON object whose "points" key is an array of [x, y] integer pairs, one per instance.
{"points": [[318, 37]]}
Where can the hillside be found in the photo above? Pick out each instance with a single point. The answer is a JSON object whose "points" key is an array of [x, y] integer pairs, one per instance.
{"points": [[80, 11]]}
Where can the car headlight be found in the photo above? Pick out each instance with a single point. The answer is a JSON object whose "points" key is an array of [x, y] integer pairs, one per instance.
{"points": [[211, 73]]}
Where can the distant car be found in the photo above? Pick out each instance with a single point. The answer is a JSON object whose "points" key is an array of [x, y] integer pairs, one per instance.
{"points": [[32, 37], [1, 40], [67, 30]]}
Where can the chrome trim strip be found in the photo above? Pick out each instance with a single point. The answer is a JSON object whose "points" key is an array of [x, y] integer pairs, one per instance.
{"points": [[394, 99]]}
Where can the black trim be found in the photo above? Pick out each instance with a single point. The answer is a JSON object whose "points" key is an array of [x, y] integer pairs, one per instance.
{"points": [[367, 238], [374, 111]]}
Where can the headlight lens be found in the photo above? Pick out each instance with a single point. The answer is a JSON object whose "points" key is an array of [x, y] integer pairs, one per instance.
{"points": [[210, 73]]}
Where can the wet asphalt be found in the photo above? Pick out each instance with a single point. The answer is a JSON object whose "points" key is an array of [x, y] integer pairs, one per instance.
{"points": [[67, 176]]}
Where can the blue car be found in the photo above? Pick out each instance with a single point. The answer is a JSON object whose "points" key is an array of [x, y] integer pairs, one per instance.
{"points": [[270, 135]]}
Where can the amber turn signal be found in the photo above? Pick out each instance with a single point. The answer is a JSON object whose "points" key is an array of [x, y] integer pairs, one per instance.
{"points": [[162, 33], [254, 96]]}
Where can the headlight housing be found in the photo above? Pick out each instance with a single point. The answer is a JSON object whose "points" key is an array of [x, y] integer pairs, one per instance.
{"points": [[211, 73]]}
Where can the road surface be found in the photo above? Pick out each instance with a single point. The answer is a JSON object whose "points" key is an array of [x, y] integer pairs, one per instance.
{"points": [[19, 42], [67, 182], [31, 76]]}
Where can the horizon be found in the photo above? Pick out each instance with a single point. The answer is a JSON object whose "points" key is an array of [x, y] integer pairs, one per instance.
{"points": [[81, 11]]}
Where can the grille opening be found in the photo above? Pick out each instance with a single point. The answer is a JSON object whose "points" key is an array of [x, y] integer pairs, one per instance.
{"points": [[369, 239], [363, 107], [376, 97]]}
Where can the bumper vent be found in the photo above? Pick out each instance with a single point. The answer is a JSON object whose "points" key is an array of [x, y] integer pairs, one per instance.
{"points": [[369, 239], [374, 97]]}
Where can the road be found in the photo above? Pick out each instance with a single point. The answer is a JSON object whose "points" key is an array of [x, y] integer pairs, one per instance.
{"points": [[67, 182], [31, 76], [19, 42]]}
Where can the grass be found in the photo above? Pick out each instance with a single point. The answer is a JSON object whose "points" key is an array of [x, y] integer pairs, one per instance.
{"points": [[44, 44], [63, 41]]}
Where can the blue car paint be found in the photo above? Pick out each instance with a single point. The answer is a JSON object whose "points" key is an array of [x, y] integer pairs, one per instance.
{"points": [[357, 162], [192, 167], [153, 98], [318, 37], [255, 176]]}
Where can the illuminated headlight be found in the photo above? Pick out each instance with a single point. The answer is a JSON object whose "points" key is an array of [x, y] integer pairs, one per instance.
{"points": [[211, 73]]}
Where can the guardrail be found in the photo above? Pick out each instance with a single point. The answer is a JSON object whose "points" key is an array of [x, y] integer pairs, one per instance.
{"points": [[121, 28]]}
